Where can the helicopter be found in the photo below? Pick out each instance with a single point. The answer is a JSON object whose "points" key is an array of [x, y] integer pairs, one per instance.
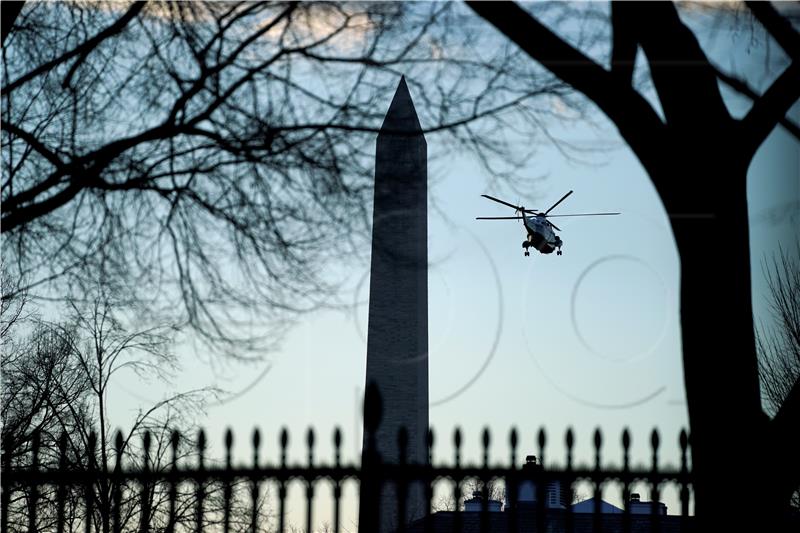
{"points": [[540, 230]]}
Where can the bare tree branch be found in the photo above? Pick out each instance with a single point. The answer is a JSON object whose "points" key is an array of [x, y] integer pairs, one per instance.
{"points": [[771, 108], [743, 88], [624, 44], [82, 51], [681, 72], [778, 26], [34, 143], [638, 123], [236, 138]]}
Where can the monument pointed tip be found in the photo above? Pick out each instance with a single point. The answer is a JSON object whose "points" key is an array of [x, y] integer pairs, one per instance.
{"points": [[401, 119], [402, 88]]}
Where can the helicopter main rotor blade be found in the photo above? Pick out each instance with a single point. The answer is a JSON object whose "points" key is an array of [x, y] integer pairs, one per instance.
{"points": [[553, 225], [583, 215], [498, 218], [558, 202], [499, 201]]}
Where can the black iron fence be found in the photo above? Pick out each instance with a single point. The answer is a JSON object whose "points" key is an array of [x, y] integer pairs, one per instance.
{"points": [[169, 485]]}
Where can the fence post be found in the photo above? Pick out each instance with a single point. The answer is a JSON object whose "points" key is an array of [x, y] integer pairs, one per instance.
{"points": [[144, 497], [371, 481], [457, 482], [201, 488], [6, 497], [569, 440], [655, 508], [254, 482], [310, 481], [226, 525], [116, 485], [34, 499], [626, 482], [484, 520], [512, 485], [596, 478], [174, 442], [337, 488], [684, 442], [282, 478], [542, 485], [62, 483], [428, 478], [91, 450]]}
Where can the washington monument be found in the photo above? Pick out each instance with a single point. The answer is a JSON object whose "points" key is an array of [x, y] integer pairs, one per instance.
{"points": [[397, 338]]}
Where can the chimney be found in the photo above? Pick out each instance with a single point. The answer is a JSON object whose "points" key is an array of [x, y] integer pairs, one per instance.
{"points": [[527, 492], [637, 506]]}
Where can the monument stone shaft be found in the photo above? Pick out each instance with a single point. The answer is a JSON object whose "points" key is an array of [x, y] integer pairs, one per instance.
{"points": [[397, 338]]}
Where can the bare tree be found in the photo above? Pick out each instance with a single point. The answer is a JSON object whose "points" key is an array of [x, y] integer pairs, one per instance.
{"points": [[56, 386], [697, 158], [44, 396], [493, 489], [44, 390], [779, 345], [210, 158]]}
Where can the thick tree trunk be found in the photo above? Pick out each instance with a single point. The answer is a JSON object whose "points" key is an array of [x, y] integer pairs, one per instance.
{"points": [[733, 466], [697, 157]]}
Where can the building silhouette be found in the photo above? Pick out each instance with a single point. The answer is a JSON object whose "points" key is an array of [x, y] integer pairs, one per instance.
{"points": [[553, 514]]}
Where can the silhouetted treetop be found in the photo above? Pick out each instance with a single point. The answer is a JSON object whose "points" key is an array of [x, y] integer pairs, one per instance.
{"points": [[212, 158]]}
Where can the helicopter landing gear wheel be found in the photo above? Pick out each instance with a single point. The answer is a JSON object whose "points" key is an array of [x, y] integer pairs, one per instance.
{"points": [[558, 252], [527, 254]]}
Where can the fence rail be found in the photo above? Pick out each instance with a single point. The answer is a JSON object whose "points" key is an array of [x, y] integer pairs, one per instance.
{"points": [[154, 489]]}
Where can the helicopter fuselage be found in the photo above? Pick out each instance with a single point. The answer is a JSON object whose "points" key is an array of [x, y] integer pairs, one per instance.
{"points": [[540, 235]]}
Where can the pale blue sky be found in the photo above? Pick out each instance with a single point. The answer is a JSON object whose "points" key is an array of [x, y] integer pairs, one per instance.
{"points": [[518, 316]]}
